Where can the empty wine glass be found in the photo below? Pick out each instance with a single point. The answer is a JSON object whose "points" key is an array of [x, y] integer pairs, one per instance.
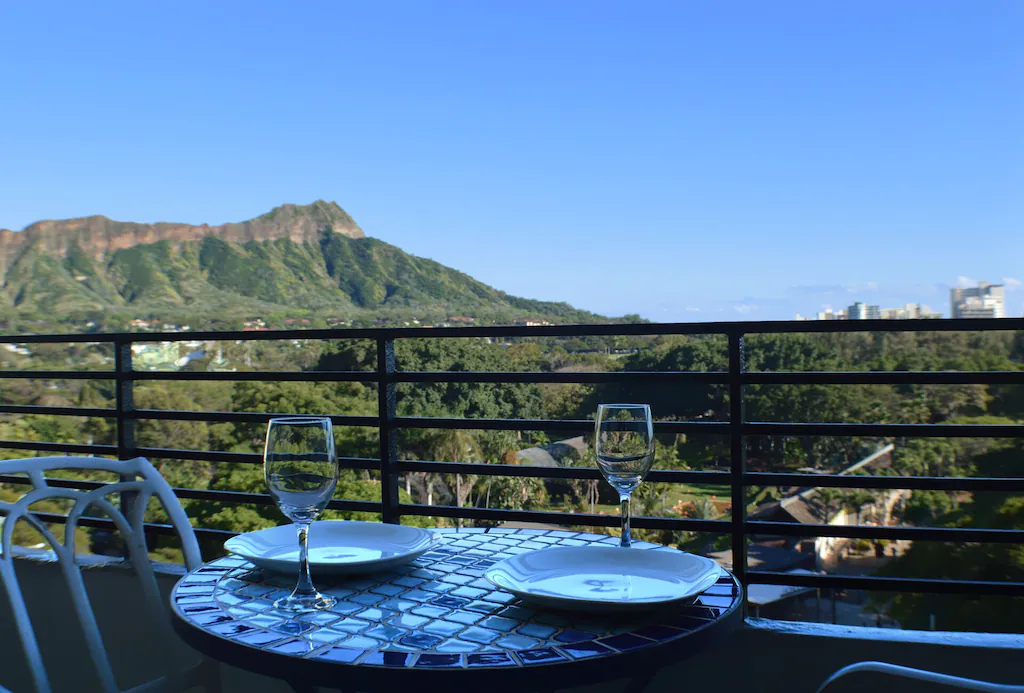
{"points": [[624, 445], [301, 472]]}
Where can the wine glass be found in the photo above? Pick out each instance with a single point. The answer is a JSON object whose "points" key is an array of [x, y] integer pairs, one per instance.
{"points": [[624, 444], [301, 472]]}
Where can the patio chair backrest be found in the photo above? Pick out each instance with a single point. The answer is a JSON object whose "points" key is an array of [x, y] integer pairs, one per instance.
{"points": [[139, 483]]}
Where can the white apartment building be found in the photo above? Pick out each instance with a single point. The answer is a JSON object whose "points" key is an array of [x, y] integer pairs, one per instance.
{"points": [[983, 301]]}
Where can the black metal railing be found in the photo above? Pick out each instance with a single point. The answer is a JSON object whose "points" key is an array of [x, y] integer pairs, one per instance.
{"points": [[737, 429]]}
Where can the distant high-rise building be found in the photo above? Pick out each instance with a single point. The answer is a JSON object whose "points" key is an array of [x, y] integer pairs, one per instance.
{"points": [[982, 301], [860, 311]]}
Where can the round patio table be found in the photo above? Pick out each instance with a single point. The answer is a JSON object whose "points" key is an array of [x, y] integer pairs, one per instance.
{"points": [[437, 622]]}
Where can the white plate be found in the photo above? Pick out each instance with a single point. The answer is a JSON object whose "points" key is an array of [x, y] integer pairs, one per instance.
{"points": [[336, 547], [604, 578]]}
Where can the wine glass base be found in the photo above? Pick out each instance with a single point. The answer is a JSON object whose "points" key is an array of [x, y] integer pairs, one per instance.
{"points": [[305, 603]]}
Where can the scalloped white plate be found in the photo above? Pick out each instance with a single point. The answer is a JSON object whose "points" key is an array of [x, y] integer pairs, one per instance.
{"points": [[604, 578], [336, 547]]}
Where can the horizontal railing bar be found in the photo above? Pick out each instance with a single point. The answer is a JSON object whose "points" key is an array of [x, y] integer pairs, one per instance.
{"points": [[149, 527], [887, 584], [884, 430], [238, 416], [77, 448], [526, 470], [57, 411], [574, 377], [59, 375], [242, 457], [914, 483], [884, 378], [268, 376], [83, 484], [220, 496], [578, 377], [949, 534], [560, 518], [589, 330], [573, 425]]}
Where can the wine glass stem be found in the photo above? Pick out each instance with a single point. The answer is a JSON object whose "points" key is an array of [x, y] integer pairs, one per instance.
{"points": [[624, 511], [304, 586]]}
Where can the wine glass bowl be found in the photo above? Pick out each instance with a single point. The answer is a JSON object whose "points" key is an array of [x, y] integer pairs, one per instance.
{"points": [[624, 447], [301, 472]]}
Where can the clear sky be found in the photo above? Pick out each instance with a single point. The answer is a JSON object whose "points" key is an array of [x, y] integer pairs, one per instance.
{"points": [[682, 160]]}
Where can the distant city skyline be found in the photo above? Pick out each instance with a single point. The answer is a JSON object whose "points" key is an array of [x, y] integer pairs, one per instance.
{"points": [[682, 161]]}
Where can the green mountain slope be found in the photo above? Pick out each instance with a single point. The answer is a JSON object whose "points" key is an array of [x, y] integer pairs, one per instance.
{"points": [[295, 258]]}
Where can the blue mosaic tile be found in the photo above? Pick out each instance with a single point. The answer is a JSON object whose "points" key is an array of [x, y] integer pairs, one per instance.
{"points": [[456, 645], [468, 592], [259, 638], [343, 607], [536, 630], [443, 627], [398, 604], [388, 659], [409, 621], [450, 602], [350, 625], [518, 642], [343, 655], [582, 650], [374, 615], [299, 647], [490, 659], [438, 660], [209, 619], [384, 632], [422, 641], [483, 607], [456, 579], [419, 595], [466, 617], [231, 599], [437, 611], [388, 590], [360, 642], [573, 636], [230, 628], [294, 627], [505, 625], [430, 611], [542, 656], [480, 635]]}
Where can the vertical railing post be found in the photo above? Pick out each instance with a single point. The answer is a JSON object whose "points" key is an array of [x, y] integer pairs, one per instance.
{"points": [[386, 413], [737, 455], [125, 402]]}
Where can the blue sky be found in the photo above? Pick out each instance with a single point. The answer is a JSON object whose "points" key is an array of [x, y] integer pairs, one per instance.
{"points": [[681, 160]]}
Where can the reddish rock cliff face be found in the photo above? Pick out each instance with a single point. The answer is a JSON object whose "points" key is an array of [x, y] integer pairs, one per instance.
{"points": [[99, 236]]}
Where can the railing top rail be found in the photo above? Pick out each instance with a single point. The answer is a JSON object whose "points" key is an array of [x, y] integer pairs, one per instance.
{"points": [[573, 330]]}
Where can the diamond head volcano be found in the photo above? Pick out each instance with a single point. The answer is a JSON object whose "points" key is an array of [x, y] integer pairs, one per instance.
{"points": [[296, 259]]}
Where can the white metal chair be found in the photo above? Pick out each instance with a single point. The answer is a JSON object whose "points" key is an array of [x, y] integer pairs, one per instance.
{"points": [[942, 680], [139, 482]]}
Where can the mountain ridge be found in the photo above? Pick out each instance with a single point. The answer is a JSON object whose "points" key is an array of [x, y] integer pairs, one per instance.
{"points": [[311, 258], [99, 236]]}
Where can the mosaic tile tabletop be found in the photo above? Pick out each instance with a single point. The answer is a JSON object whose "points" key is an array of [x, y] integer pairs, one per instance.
{"points": [[436, 612]]}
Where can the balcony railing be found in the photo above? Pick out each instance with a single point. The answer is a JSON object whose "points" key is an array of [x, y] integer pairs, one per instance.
{"points": [[736, 429]]}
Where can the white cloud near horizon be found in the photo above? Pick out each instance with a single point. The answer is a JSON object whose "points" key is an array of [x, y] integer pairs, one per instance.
{"points": [[1012, 284]]}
